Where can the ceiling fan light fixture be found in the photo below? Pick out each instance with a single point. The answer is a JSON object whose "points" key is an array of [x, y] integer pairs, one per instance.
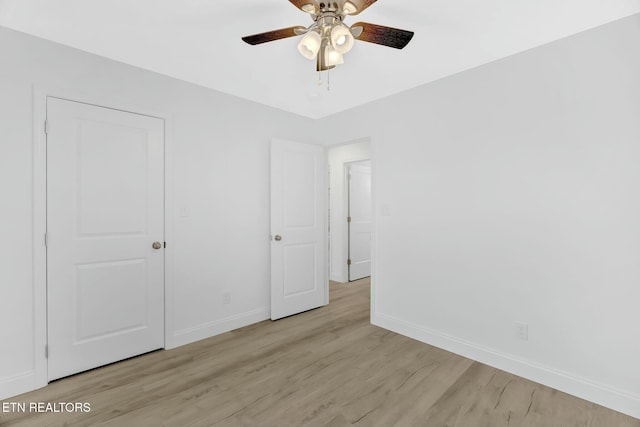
{"points": [[310, 45], [341, 38], [349, 8], [328, 38]]}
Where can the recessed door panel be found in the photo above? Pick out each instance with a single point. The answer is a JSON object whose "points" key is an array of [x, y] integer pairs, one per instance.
{"points": [[110, 184], [298, 175], [302, 278], [108, 297]]}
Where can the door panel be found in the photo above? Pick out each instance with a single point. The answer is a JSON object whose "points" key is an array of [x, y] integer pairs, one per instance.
{"points": [[298, 190], [359, 195], [107, 295], [105, 208], [109, 199], [299, 174], [300, 279]]}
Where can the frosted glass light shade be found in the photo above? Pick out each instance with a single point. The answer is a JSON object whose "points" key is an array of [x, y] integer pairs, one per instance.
{"points": [[309, 8], [341, 38], [310, 45], [348, 8], [333, 57]]}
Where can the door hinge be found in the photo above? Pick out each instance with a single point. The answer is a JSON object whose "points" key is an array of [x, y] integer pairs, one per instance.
{"points": [[46, 126], [46, 241], [348, 219], [348, 262], [46, 351]]}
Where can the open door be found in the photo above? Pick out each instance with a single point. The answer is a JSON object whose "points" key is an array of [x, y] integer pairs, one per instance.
{"points": [[298, 230]]}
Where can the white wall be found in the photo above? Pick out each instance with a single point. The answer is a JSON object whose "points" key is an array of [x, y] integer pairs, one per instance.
{"points": [[514, 191], [338, 156], [221, 176]]}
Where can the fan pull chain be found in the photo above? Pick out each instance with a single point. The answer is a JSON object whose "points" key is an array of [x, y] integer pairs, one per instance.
{"points": [[328, 80]]}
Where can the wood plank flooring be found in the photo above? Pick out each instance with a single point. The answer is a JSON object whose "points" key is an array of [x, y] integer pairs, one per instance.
{"points": [[325, 367]]}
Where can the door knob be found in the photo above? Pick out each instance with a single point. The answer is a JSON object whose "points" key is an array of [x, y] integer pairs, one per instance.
{"points": [[156, 245], [278, 237]]}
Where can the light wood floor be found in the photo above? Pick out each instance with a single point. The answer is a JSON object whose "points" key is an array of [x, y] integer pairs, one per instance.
{"points": [[326, 367]]}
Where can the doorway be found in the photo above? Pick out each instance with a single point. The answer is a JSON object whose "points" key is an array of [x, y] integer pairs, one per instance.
{"points": [[339, 158]]}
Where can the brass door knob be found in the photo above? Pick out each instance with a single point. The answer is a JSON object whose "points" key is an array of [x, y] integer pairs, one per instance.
{"points": [[156, 245]]}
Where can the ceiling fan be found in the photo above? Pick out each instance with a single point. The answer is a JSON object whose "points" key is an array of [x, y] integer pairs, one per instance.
{"points": [[328, 38]]}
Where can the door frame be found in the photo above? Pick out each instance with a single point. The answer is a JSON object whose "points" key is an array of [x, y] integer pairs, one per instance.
{"points": [[40, 95], [374, 218]]}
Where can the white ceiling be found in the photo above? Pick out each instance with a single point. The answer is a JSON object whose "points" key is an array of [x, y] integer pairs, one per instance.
{"points": [[199, 41]]}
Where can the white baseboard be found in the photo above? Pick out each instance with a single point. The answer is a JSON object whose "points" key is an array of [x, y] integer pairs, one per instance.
{"points": [[25, 382], [583, 388], [208, 330], [17, 384]]}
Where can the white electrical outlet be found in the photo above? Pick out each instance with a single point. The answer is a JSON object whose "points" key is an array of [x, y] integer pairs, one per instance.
{"points": [[226, 298], [522, 331]]}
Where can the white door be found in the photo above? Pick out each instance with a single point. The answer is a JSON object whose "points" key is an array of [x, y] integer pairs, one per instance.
{"points": [[359, 220], [298, 252], [105, 209]]}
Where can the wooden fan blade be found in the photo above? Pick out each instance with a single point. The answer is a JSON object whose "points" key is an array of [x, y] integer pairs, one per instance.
{"points": [[360, 5], [270, 36], [386, 36], [308, 6]]}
